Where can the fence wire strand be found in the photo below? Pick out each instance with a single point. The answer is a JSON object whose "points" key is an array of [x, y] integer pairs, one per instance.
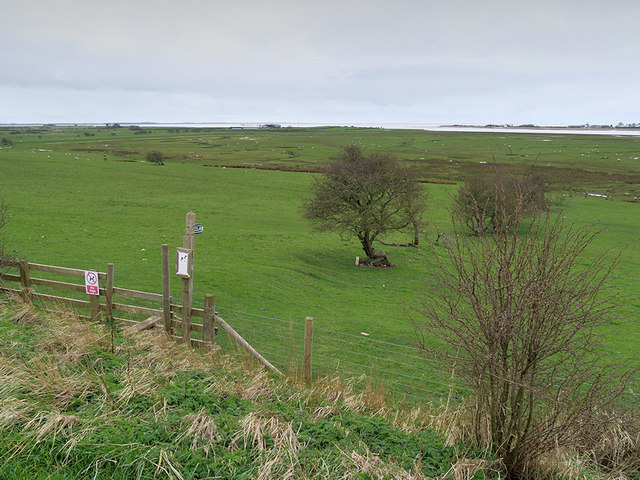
{"points": [[401, 369]]}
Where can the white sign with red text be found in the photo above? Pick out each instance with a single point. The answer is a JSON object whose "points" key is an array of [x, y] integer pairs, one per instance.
{"points": [[91, 282]]}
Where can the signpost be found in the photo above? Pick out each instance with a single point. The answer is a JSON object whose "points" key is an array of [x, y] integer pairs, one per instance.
{"points": [[92, 288], [188, 243], [184, 269]]}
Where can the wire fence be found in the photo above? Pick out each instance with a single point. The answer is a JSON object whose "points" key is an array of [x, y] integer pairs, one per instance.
{"points": [[403, 372]]}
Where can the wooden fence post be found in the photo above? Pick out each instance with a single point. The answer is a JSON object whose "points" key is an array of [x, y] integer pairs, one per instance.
{"points": [[308, 346], [109, 291], [208, 319], [25, 279], [94, 305], [166, 290], [188, 242]]}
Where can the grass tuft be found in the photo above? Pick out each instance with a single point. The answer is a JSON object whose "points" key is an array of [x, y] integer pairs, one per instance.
{"points": [[48, 424], [26, 315], [14, 411], [375, 467], [202, 432]]}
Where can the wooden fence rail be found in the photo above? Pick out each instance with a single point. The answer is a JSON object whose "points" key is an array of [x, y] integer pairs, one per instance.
{"points": [[168, 314]]}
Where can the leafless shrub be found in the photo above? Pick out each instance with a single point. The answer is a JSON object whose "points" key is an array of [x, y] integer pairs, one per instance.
{"points": [[520, 310], [156, 157], [489, 202]]}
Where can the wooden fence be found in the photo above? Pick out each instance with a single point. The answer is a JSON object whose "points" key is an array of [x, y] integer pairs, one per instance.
{"points": [[167, 312]]}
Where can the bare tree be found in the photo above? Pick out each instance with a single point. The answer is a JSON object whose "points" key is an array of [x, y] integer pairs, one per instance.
{"points": [[366, 196], [487, 200], [156, 157], [518, 313]]}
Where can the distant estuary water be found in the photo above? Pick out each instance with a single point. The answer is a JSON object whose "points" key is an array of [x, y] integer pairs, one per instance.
{"points": [[421, 126], [392, 126]]}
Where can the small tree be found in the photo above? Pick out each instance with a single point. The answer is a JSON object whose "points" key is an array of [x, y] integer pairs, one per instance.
{"points": [[518, 313], [487, 201], [365, 196], [156, 157]]}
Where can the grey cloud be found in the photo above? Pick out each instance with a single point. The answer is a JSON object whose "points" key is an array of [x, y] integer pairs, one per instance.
{"points": [[403, 61]]}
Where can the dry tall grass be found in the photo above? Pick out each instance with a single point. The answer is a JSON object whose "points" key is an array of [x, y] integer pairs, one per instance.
{"points": [[371, 464], [612, 452], [202, 432]]}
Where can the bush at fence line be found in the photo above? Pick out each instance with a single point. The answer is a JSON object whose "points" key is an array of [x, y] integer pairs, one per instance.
{"points": [[518, 311]]}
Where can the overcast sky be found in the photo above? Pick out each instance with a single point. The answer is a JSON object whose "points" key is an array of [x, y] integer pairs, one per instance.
{"points": [[320, 61]]}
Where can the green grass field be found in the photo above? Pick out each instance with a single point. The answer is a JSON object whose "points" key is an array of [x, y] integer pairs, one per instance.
{"points": [[84, 201]]}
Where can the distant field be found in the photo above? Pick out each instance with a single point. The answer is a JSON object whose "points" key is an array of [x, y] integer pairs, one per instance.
{"points": [[84, 197], [609, 163]]}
